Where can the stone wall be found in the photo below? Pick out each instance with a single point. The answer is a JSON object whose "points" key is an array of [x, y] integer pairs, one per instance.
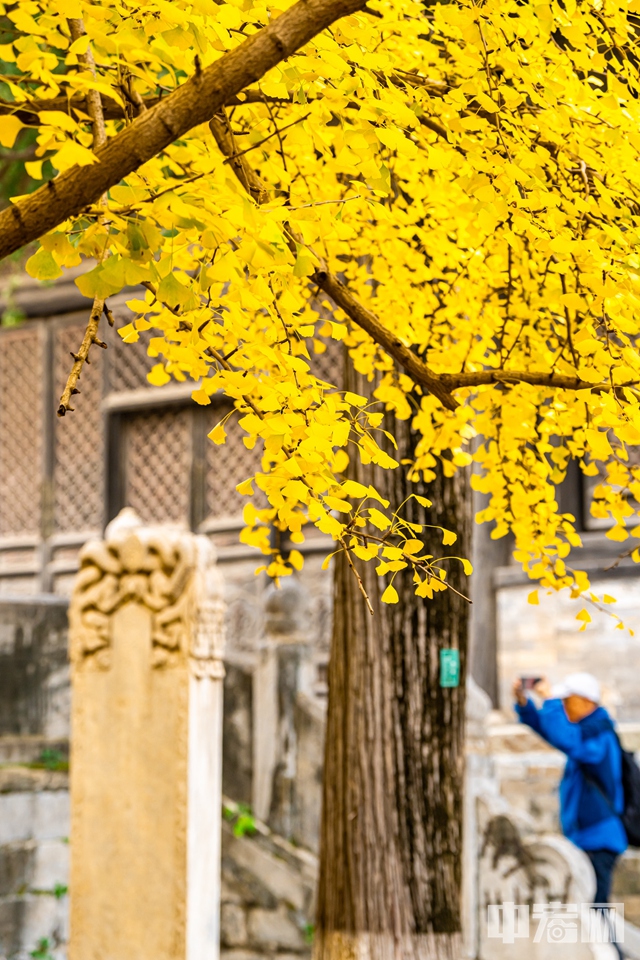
{"points": [[274, 704], [546, 640], [34, 672], [267, 883], [268, 887], [34, 848], [34, 797]]}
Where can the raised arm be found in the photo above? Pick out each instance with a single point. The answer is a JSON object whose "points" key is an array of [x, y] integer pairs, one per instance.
{"points": [[525, 708], [557, 729]]}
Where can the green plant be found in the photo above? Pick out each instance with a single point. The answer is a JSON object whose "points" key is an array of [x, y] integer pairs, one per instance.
{"points": [[12, 317], [50, 759], [42, 951], [60, 890], [245, 823], [242, 818]]}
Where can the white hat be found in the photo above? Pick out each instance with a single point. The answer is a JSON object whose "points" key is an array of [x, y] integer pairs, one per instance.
{"points": [[581, 684]]}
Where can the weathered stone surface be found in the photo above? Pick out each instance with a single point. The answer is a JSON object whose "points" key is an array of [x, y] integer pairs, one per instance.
{"points": [[228, 892], [515, 738], [245, 887], [17, 867], [34, 682], [630, 736], [299, 625], [146, 643], [16, 778], [15, 748], [518, 867], [233, 925], [51, 865], [286, 609], [310, 725], [631, 907], [625, 887], [24, 921], [52, 815], [276, 882], [275, 929], [12, 924], [546, 639], [34, 872], [32, 866], [241, 955], [237, 736], [263, 859], [626, 878], [38, 816]]}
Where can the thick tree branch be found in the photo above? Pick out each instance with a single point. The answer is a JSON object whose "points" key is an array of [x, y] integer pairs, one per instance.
{"points": [[441, 385], [195, 102], [457, 381], [415, 367], [255, 186]]}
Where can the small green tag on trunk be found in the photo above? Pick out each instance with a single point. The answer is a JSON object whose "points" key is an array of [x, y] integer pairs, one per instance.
{"points": [[449, 668]]}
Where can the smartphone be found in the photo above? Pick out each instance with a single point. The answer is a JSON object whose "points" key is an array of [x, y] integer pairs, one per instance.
{"points": [[528, 683]]}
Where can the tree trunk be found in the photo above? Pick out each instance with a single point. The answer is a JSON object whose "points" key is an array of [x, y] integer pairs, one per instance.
{"points": [[391, 846]]}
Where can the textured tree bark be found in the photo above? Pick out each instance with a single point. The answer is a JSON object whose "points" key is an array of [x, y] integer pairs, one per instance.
{"points": [[391, 848]]}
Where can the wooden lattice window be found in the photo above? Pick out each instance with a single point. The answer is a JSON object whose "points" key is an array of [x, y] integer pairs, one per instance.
{"points": [[228, 465], [157, 447], [21, 432], [328, 365], [128, 363]]}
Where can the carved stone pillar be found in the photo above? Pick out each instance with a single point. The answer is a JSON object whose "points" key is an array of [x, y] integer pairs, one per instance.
{"points": [[146, 639]]}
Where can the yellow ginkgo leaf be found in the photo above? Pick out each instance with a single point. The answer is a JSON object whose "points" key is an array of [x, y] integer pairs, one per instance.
{"points": [[42, 266], [390, 595], [158, 376], [218, 434], [10, 127]]}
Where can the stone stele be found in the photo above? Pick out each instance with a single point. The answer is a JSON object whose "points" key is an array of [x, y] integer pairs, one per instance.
{"points": [[146, 646]]}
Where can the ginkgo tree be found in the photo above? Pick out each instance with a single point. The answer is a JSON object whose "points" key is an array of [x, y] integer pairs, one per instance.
{"points": [[451, 189]]}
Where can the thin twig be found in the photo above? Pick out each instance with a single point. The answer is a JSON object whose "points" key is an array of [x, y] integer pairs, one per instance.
{"points": [[276, 132], [82, 357], [94, 109], [357, 576]]}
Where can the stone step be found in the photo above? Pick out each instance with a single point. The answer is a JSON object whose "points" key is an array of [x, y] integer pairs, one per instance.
{"points": [[20, 778], [36, 867], [33, 895], [26, 921], [31, 749], [510, 738]]}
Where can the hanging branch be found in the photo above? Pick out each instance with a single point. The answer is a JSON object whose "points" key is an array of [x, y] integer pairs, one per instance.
{"points": [[94, 109], [82, 357]]}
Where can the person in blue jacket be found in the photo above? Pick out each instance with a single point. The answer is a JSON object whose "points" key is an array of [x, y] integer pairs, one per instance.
{"points": [[591, 792]]}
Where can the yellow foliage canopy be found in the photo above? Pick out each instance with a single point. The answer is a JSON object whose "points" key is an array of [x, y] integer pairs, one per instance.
{"points": [[471, 170]]}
